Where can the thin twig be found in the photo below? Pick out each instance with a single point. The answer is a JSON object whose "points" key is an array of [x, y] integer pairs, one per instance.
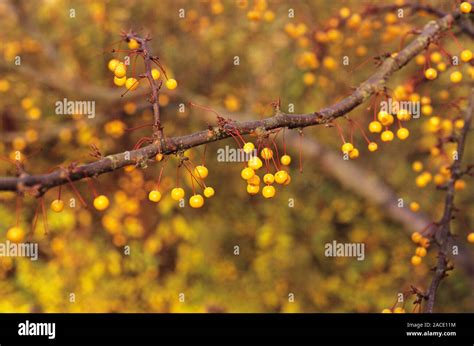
{"points": [[155, 87]]}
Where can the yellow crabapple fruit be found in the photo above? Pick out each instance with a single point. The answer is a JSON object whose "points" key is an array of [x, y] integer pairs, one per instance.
{"points": [[372, 146], [120, 81], [403, 133], [427, 110], [268, 191], [112, 64], [209, 192], [255, 180], [386, 136], [420, 60], [459, 124], [201, 171], [131, 83], [285, 160], [347, 147], [101, 202], [120, 70], [268, 178], [414, 206], [253, 189], [436, 57], [459, 185], [465, 7], [196, 201], [385, 118], [253, 15], [269, 16], [154, 196], [281, 176], [466, 55], [345, 12], [354, 153], [247, 173], [403, 115], [266, 153], [416, 237], [431, 74], [177, 193], [133, 44], [171, 84], [416, 260], [425, 242], [439, 179], [455, 77], [375, 127], [417, 166], [255, 163], [470, 237], [155, 73], [57, 205], [421, 251], [441, 67], [16, 234], [248, 147]]}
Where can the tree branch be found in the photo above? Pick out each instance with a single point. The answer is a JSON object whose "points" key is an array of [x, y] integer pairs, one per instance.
{"points": [[148, 59], [416, 6], [443, 231], [39, 184]]}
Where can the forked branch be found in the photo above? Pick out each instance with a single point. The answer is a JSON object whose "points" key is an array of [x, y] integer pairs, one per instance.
{"points": [[443, 231]]}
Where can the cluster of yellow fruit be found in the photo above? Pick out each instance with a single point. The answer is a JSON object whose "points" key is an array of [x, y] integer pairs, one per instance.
{"points": [[307, 60], [255, 163], [386, 119], [33, 113], [101, 202], [397, 310], [420, 251], [120, 75], [436, 57], [349, 149], [259, 11], [177, 193], [382, 122], [441, 177], [296, 30], [16, 234], [443, 127], [119, 69], [332, 34]]}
